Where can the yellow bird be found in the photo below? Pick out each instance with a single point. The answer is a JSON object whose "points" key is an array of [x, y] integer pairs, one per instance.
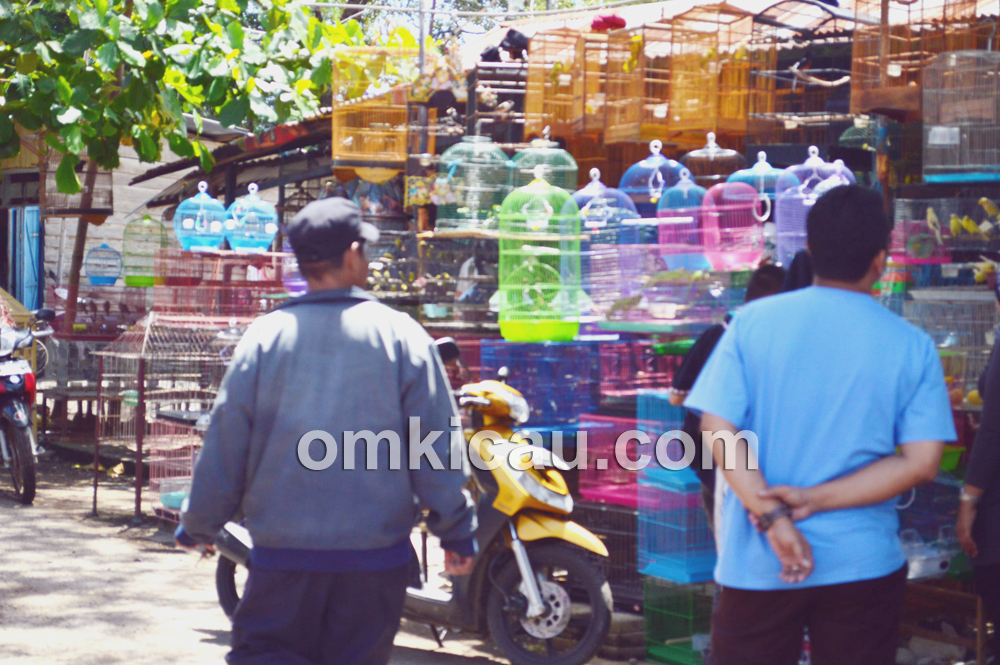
{"points": [[970, 225], [935, 224], [990, 207], [955, 224]]}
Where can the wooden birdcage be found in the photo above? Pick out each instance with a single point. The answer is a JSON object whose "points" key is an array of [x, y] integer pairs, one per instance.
{"points": [[710, 73], [590, 82], [893, 42], [95, 199], [552, 70], [800, 90], [638, 84]]}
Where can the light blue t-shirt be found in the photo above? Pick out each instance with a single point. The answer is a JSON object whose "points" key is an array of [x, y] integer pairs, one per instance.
{"points": [[830, 381]]}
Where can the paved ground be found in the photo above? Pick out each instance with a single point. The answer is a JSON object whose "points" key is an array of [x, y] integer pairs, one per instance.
{"points": [[97, 591]]}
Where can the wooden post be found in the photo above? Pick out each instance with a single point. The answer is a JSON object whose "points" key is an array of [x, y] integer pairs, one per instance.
{"points": [[140, 432], [97, 432], [79, 244]]}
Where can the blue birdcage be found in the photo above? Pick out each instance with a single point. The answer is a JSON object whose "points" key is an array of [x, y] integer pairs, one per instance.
{"points": [[198, 221], [679, 213], [251, 223], [103, 266], [646, 180], [761, 176]]}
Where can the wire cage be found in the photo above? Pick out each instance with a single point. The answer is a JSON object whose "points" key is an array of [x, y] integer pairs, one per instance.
{"points": [[559, 167], [472, 181], [956, 325], [173, 451], [95, 198], [918, 235], [638, 84], [198, 221], [552, 74], [712, 164], [141, 239], [496, 100], [796, 191], [675, 542], [897, 41], [645, 180], [679, 212], [605, 480], [617, 527], [761, 176], [930, 506], [251, 223], [629, 367], [539, 273], [732, 232], [102, 311], [556, 378], [710, 71], [961, 98], [103, 265], [590, 81], [459, 277], [800, 90], [218, 284], [602, 210], [677, 621]]}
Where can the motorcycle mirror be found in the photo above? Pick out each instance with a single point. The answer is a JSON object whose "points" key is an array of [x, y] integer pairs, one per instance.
{"points": [[503, 374], [448, 349], [44, 314]]}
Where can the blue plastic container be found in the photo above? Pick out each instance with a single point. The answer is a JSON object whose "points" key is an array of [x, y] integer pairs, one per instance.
{"points": [[251, 223], [198, 221]]}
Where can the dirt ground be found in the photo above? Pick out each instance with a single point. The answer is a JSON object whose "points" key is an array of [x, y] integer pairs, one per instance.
{"points": [[99, 591]]}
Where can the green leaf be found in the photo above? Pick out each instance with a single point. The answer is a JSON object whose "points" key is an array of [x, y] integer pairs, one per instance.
{"points": [[261, 108], [73, 138], [66, 179], [30, 121], [146, 147], [44, 53], [155, 15], [65, 91], [298, 23], [228, 5], [131, 56], [11, 147], [205, 157], [69, 116], [236, 36], [234, 111], [79, 41], [180, 145], [46, 85], [90, 20], [108, 56], [6, 128], [217, 67], [27, 63], [102, 7], [53, 142], [322, 74], [217, 90]]}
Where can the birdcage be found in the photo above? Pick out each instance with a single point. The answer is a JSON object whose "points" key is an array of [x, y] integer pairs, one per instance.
{"points": [[602, 209], [141, 239], [961, 97], [552, 73], [796, 191], [645, 180], [732, 232], [800, 89], [631, 366], [605, 479], [618, 529], [496, 100], [710, 70], [102, 311], [472, 181], [590, 79], [677, 621], [899, 40], [198, 221], [966, 322], [679, 212], [560, 168], [761, 176], [930, 230], [95, 199], [103, 265], [251, 223], [539, 272], [218, 284], [164, 364], [638, 84], [713, 163], [173, 450]]}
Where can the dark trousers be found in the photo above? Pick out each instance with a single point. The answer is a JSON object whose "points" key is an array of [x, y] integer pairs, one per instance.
{"points": [[988, 588], [849, 624], [297, 618]]}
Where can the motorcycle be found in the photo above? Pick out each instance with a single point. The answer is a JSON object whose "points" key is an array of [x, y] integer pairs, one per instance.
{"points": [[17, 401], [534, 587]]}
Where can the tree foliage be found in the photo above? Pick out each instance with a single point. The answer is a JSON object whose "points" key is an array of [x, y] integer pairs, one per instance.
{"points": [[93, 74]]}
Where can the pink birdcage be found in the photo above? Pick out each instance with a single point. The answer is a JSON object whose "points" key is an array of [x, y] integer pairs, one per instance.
{"points": [[605, 479], [631, 366], [732, 231], [173, 450]]}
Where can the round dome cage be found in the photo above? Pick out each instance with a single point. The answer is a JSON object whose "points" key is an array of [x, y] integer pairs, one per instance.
{"points": [[712, 164], [646, 180], [198, 221], [103, 265], [761, 176], [472, 180], [251, 223], [560, 167]]}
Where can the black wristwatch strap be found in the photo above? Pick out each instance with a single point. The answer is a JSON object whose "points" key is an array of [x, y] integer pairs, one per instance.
{"points": [[767, 520]]}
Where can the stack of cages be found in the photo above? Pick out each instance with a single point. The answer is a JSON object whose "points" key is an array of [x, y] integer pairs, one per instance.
{"points": [[166, 367], [556, 378], [540, 294], [895, 41], [618, 528], [675, 541], [459, 278], [638, 84], [474, 176], [677, 620], [799, 91], [496, 101], [614, 443], [590, 82], [961, 96], [710, 67], [628, 367], [552, 73]]}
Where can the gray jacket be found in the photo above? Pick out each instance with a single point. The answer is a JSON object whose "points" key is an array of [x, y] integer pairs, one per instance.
{"points": [[334, 361]]}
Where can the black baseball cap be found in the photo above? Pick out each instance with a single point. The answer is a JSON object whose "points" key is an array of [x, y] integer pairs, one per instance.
{"points": [[326, 228]]}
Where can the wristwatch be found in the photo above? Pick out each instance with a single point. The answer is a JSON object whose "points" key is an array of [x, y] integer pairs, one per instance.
{"points": [[968, 498], [767, 520]]}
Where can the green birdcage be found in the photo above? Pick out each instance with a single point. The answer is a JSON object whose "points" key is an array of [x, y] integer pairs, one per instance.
{"points": [[560, 167], [140, 241], [540, 298], [472, 180]]}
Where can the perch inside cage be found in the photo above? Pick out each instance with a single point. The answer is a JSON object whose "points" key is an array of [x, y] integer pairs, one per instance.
{"points": [[471, 182], [251, 223], [198, 221], [552, 70], [103, 265], [638, 84], [645, 180], [141, 240]]}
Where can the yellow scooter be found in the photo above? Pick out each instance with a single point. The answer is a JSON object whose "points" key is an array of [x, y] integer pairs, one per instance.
{"points": [[534, 584]]}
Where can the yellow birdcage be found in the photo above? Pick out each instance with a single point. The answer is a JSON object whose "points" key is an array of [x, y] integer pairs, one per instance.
{"points": [[552, 69], [893, 42], [590, 80], [638, 84]]}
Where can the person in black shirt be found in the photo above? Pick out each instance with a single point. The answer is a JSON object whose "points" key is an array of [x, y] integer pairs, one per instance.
{"points": [[765, 281]]}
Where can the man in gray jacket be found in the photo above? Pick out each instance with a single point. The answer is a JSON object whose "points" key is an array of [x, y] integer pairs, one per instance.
{"points": [[321, 436]]}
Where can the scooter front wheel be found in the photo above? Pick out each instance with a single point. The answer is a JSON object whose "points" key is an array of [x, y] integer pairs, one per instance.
{"points": [[578, 609], [229, 580], [22, 463]]}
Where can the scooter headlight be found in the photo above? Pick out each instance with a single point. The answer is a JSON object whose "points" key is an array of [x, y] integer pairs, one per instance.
{"points": [[561, 502]]}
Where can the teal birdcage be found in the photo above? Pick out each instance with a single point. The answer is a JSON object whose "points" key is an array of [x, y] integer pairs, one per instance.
{"points": [[560, 167], [472, 181], [761, 176], [198, 221], [103, 266], [140, 241], [540, 296], [251, 223], [679, 212]]}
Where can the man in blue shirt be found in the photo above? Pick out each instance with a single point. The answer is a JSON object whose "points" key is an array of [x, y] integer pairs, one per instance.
{"points": [[829, 383]]}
